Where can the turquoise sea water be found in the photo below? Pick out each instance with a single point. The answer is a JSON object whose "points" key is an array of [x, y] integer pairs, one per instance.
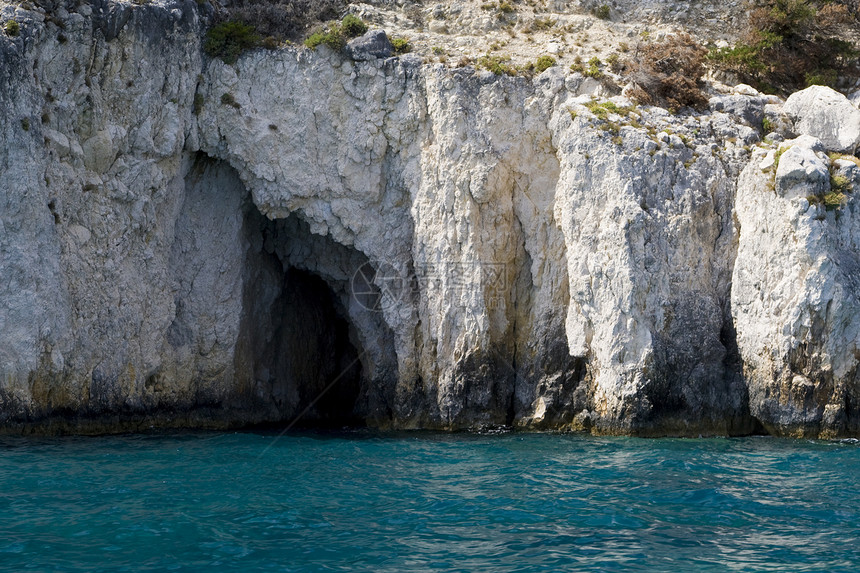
{"points": [[361, 501]]}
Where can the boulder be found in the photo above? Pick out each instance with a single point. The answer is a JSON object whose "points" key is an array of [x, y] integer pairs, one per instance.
{"points": [[777, 121], [824, 113], [372, 45], [746, 107], [747, 90], [801, 170]]}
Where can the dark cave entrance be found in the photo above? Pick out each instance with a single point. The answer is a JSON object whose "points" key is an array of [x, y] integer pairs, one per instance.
{"points": [[317, 373], [304, 340], [265, 325]]}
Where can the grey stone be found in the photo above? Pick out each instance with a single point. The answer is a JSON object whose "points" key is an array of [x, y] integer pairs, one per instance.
{"points": [[99, 152], [826, 114], [801, 172], [778, 121], [372, 45], [795, 299], [748, 108], [806, 142]]}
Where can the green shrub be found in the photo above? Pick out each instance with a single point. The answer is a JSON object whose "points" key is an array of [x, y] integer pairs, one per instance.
{"points": [[543, 24], [833, 200], [611, 127], [353, 26], [506, 7], [335, 40], [839, 183], [283, 19], [593, 70], [851, 158], [543, 63], [228, 40], [777, 156], [12, 28], [314, 40], [331, 37], [602, 11], [336, 35], [401, 45], [497, 64], [766, 125], [603, 109], [821, 78], [228, 99], [790, 44], [25, 124]]}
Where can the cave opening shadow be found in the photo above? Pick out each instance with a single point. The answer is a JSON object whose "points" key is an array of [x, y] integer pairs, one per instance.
{"points": [[317, 372]]}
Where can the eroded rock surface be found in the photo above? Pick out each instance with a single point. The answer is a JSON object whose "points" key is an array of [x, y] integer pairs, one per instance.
{"points": [[795, 295], [381, 241], [824, 113]]}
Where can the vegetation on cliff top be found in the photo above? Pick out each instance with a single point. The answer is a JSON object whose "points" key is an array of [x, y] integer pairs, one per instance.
{"points": [[668, 72], [787, 45], [336, 35], [283, 19], [228, 40], [790, 44], [12, 28]]}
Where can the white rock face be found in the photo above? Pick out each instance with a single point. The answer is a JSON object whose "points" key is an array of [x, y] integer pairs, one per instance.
{"points": [[824, 113], [184, 242], [795, 299], [802, 170], [649, 251]]}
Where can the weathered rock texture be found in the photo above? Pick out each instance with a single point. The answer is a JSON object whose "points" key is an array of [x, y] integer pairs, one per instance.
{"points": [[828, 115], [795, 295], [184, 242]]}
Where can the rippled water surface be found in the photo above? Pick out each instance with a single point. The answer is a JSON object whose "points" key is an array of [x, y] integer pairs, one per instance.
{"points": [[427, 502]]}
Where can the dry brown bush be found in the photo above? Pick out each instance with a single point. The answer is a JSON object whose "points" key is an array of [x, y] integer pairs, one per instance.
{"points": [[668, 72]]}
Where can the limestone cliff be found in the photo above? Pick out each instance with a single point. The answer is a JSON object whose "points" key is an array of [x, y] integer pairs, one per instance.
{"points": [[189, 243]]}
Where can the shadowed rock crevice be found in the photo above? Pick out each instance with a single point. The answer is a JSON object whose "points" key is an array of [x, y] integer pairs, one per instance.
{"points": [[263, 310], [315, 369]]}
